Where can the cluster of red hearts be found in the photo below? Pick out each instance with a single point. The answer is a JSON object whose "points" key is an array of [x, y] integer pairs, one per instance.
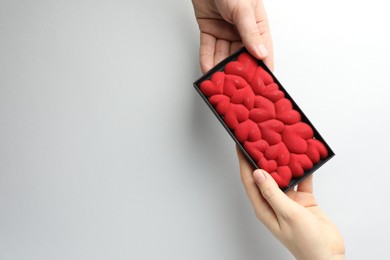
{"points": [[263, 120]]}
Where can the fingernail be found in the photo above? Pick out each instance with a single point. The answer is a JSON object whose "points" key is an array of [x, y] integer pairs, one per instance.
{"points": [[263, 51], [259, 176]]}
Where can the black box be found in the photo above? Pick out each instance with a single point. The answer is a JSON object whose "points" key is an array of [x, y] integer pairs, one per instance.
{"points": [[221, 67]]}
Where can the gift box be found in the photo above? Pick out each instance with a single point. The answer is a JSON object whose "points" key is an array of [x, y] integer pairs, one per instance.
{"points": [[262, 118]]}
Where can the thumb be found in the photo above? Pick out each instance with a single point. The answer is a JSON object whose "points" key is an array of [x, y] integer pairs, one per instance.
{"points": [[279, 202], [245, 21]]}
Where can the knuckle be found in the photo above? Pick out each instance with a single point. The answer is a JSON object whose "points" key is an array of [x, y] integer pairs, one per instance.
{"points": [[253, 33]]}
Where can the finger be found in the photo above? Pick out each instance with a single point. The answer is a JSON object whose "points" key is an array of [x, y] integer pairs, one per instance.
{"points": [[306, 185], [206, 52], [245, 21], [269, 60], [219, 28], [279, 202], [265, 34], [222, 48], [263, 211], [290, 193], [302, 198], [235, 46]]}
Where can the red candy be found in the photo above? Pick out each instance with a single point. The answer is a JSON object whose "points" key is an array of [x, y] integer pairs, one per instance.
{"points": [[272, 130], [285, 112], [245, 67], [295, 137], [263, 120]]}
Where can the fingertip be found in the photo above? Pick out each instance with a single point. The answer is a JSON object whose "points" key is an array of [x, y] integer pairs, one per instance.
{"points": [[206, 52], [206, 62], [262, 51], [258, 52], [205, 67], [269, 63], [259, 176]]}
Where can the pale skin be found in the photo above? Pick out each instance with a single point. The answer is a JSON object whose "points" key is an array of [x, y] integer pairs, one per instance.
{"points": [[294, 218], [227, 25]]}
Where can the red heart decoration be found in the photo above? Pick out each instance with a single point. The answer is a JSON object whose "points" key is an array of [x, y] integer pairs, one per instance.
{"points": [[279, 153], [245, 67], [236, 114], [299, 163], [267, 165], [295, 136], [272, 92], [263, 110], [260, 79], [213, 86], [286, 113], [316, 150], [257, 82], [244, 96], [256, 149], [233, 83], [267, 78], [271, 131], [247, 131], [221, 103], [282, 176]]}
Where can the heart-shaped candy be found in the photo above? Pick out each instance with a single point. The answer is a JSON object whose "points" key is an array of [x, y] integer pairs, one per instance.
{"points": [[247, 131], [316, 150], [279, 153], [213, 86], [267, 165], [236, 114], [299, 163], [282, 176], [260, 79], [263, 110], [295, 136], [267, 78], [256, 149], [286, 113], [271, 131], [245, 67], [257, 82], [272, 92], [232, 83], [244, 96], [221, 103]]}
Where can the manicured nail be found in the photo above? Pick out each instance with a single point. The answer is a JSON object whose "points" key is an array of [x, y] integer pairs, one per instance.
{"points": [[263, 51], [259, 176]]}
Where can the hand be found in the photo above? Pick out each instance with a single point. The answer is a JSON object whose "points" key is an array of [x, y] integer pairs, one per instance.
{"points": [[294, 218], [225, 25]]}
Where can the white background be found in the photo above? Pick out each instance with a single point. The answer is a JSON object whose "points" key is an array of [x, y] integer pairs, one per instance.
{"points": [[107, 151]]}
